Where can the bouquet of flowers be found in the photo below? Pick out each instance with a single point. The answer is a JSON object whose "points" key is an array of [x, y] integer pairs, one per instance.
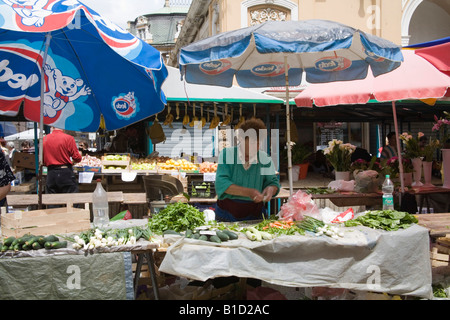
{"points": [[430, 149], [393, 165], [441, 126], [412, 148], [361, 165], [339, 154]]}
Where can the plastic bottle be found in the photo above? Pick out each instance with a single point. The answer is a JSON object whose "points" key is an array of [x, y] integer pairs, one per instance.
{"points": [[100, 206], [388, 190]]}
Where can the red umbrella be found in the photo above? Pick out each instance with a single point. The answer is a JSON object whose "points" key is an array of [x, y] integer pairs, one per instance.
{"points": [[438, 55], [416, 78]]}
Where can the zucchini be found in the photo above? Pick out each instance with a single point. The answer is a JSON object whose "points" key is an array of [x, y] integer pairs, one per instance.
{"points": [[31, 240], [23, 239], [8, 241], [169, 231], [36, 245], [215, 239], [222, 235], [16, 247], [231, 234], [55, 245], [16, 241], [41, 240], [50, 238]]}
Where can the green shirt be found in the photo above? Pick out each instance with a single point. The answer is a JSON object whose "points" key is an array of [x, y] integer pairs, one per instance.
{"points": [[231, 171]]}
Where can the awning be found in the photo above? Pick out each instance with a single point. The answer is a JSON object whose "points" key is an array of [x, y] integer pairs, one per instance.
{"points": [[176, 89]]}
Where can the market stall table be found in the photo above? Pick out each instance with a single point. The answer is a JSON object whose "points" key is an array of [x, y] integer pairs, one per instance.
{"points": [[395, 262], [438, 224], [74, 274]]}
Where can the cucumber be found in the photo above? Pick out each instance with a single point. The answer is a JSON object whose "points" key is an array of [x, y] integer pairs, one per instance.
{"points": [[231, 234], [195, 236], [16, 241], [222, 235], [26, 247], [50, 238], [41, 240], [215, 239], [8, 241], [16, 247], [188, 233], [5, 248], [36, 245], [203, 237]]}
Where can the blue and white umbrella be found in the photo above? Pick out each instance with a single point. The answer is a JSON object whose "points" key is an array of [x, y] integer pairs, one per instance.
{"points": [[73, 69], [91, 67], [277, 53]]}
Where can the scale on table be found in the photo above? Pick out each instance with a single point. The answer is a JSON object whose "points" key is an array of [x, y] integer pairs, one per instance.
{"points": [[157, 187]]}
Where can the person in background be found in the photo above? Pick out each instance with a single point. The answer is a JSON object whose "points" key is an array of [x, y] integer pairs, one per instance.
{"points": [[6, 177], [4, 148], [245, 177], [83, 148], [390, 150], [12, 150], [60, 152]]}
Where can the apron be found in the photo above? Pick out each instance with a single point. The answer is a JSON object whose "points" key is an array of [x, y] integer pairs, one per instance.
{"points": [[239, 210]]}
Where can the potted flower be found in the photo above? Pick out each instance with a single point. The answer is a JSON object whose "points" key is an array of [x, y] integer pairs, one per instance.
{"points": [[339, 155], [393, 169], [415, 153], [300, 155]]}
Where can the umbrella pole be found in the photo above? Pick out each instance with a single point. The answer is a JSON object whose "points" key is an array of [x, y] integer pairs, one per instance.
{"points": [[399, 150], [41, 121], [288, 128]]}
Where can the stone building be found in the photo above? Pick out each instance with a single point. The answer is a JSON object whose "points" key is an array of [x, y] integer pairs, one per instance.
{"points": [[161, 28]]}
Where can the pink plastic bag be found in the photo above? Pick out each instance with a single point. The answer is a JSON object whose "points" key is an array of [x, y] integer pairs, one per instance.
{"points": [[298, 205]]}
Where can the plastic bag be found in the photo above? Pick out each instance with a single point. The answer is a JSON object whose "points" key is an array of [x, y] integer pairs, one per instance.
{"points": [[298, 205], [342, 185], [367, 181]]}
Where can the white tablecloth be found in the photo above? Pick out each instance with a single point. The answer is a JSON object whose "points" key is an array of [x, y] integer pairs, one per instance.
{"points": [[396, 262]]}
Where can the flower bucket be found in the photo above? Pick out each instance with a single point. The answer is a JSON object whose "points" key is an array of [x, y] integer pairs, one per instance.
{"points": [[417, 164], [427, 167], [303, 170], [342, 175]]}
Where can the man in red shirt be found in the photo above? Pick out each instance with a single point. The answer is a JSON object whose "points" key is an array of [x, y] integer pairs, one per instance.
{"points": [[60, 151]]}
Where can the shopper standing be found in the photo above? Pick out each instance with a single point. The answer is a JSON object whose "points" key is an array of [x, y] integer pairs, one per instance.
{"points": [[60, 152], [6, 176]]}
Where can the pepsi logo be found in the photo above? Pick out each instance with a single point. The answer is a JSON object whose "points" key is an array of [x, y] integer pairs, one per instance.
{"points": [[215, 67], [270, 69], [329, 64]]}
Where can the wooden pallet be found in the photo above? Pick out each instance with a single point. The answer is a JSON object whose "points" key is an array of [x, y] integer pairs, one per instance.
{"points": [[440, 255]]}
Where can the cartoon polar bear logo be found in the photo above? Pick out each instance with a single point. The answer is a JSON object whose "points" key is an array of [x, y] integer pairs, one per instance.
{"points": [[61, 90], [32, 12]]}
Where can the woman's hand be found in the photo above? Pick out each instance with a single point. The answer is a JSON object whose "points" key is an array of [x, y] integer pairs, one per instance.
{"points": [[269, 192], [256, 196]]}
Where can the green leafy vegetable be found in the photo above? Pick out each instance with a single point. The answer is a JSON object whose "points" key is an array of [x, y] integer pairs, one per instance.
{"points": [[388, 220], [178, 217]]}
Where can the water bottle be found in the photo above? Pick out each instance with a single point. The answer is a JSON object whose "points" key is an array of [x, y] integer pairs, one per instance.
{"points": [[388, 190], [100, 206]]}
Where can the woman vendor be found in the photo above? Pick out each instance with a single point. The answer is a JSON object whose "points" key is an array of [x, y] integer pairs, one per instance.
{"points": [[245, 177]]}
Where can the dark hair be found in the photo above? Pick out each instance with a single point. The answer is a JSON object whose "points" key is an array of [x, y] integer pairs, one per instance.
{"points": [[390, 134], [255, 124]]}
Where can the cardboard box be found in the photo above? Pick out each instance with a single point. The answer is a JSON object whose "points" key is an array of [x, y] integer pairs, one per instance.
{"points": [[24, 160], [45, 222]]}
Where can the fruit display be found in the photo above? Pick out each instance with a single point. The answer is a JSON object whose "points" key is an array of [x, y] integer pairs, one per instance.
{"points": [[89, 161], [116, 157], [176, 165], [207, 167], [143, 164]]}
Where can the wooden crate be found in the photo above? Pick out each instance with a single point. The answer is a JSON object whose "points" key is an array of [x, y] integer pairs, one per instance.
{"points": [[45, 222]]}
